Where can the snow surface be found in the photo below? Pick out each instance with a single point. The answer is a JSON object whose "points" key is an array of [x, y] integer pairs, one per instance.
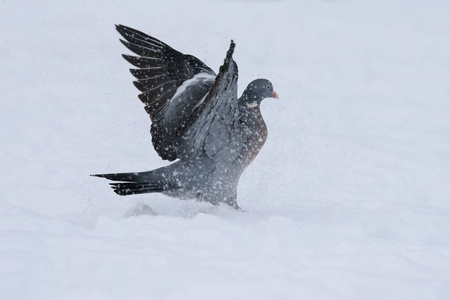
{"points": [[349, 198]]}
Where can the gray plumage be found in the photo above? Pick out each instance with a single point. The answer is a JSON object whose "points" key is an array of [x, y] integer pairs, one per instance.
{"points": [[197, 118]]}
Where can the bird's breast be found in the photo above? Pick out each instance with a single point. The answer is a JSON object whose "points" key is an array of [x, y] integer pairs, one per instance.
{"points": [[253, 136]]}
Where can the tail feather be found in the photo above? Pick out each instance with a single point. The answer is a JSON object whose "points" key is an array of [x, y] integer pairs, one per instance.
{"points": [[131, 188], [137, 183], [127, 177]]}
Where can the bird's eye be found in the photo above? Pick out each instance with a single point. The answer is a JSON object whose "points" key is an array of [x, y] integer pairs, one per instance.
{"points": [[268, 87]]}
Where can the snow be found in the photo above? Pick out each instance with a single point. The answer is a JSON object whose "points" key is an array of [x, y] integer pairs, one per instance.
{"points": [[349, 198]]}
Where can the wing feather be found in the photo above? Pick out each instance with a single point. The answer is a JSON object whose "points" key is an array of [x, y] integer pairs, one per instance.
{"points": [[143, 49], [213, 122], [161, 73], [151, 83], [147, 72], [144, 62]]}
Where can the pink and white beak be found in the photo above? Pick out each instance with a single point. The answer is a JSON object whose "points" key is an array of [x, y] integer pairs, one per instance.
{"points": [[275, 95]]}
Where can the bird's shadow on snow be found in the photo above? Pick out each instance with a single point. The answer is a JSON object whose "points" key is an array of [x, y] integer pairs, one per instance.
{"points": [[187, 210], [181, 209], [142, 207], [190, 209]]}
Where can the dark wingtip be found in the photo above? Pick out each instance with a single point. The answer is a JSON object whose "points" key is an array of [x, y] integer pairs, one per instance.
{"points": [[129, 58], [125, 43], [228, 61], [231, 50], [125, 31], [120, 28], [139, 86]]}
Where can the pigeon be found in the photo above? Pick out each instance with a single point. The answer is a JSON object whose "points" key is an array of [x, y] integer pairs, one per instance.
{"points": [[198, 121]]}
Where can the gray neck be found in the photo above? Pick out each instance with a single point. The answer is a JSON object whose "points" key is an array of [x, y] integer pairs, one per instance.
{"points": [[250, 100]]}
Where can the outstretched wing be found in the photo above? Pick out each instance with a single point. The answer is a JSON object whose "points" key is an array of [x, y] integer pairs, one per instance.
{"points": [[172, 85], [214, 120]]}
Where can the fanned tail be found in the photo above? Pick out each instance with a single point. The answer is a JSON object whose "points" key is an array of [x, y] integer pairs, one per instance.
{"points": [[129, 177], [131, 188], [136, 183]]}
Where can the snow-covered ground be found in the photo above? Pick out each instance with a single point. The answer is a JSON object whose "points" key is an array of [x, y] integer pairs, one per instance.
{"points": [[349, 198]]}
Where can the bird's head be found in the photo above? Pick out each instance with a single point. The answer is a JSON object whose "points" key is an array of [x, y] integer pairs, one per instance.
{"points": [[256, 91]]}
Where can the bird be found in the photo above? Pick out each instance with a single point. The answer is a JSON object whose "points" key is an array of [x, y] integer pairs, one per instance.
{"points": [[197, 122]]}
